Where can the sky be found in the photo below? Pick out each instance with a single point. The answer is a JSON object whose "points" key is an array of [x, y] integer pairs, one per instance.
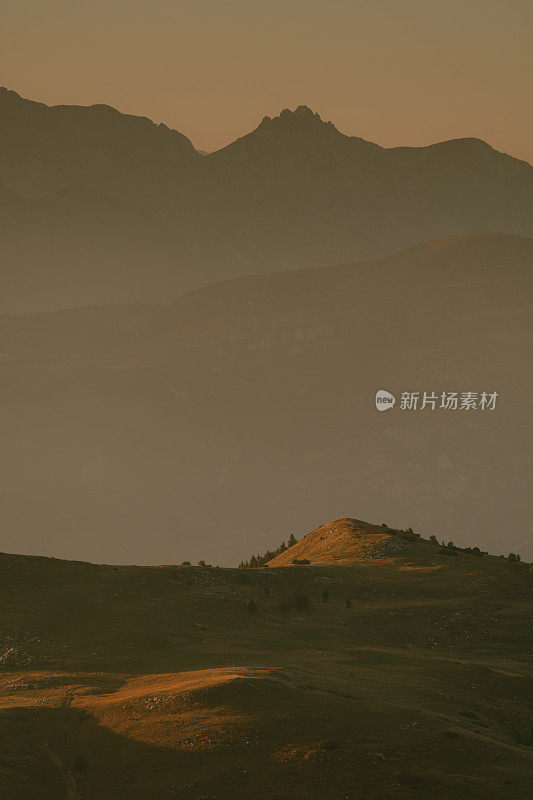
{"points": [[398, 72]]}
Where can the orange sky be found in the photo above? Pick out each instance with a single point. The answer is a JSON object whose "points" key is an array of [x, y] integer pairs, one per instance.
{"points": [[394, 71]]}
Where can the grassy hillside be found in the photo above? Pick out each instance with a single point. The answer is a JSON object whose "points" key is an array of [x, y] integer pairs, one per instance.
{"points": [[345, 541], [198, 682]]}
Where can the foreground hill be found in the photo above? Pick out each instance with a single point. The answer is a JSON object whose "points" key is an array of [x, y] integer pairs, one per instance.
{"points": [[347, 541], [98, 206], [258, 395], [196, 682]]}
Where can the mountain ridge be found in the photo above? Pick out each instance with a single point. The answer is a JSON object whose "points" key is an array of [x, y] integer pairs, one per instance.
{"points": [[301, 113], [97, 206]]}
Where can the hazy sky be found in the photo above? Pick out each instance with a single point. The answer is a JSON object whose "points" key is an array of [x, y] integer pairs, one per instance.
{"points": [[394, 71]]}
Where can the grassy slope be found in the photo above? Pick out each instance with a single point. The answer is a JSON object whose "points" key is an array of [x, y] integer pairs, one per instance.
{"points": [[139, 682], [345, 541]]}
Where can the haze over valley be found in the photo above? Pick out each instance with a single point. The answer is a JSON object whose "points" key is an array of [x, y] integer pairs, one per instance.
{"points": [[213, 425]]}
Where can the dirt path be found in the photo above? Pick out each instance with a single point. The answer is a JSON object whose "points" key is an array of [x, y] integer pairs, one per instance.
{"points": [[70, 781]]}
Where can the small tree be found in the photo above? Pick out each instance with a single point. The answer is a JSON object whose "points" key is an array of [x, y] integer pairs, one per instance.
{"points": [[348, 603], [433, 539], [251, 606], [325, 596], [292, 540]]}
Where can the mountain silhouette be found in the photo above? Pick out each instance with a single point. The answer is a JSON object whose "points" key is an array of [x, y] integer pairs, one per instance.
{"points": [[98, 206]]}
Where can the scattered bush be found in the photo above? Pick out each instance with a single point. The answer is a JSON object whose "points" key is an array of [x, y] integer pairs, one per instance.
{"points": [[325, 596], [251, 606], [298, 601], [451, 549], [260, 561], [348, 603], [409, 535]]}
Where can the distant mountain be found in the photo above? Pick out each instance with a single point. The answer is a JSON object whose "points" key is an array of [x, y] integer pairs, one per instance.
{"points": [[98, 206], [220, 423]]}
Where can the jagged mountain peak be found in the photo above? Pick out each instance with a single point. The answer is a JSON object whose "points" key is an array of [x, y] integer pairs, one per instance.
{"points": [[301, 117], [302, 112], [300, 133]]}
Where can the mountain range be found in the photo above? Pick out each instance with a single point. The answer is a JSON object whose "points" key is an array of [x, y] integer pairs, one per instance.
{"points": [[98, 206], [220, 422]]}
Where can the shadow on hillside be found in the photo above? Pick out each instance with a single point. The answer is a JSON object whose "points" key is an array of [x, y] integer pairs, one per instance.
{"points": [[289, 744]]}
